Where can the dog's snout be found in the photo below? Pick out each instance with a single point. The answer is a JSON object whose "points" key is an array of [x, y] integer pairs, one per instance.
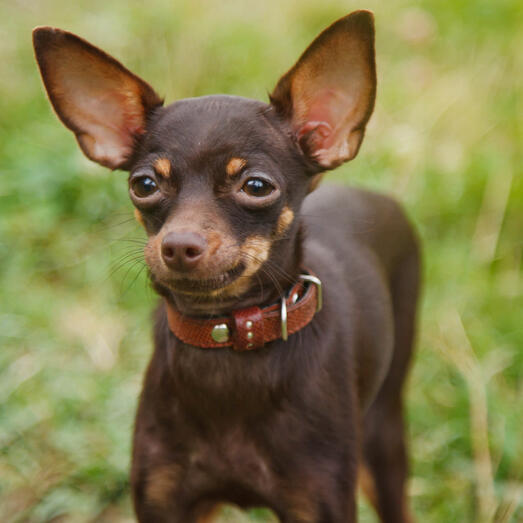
{"points": [[182, 251]]}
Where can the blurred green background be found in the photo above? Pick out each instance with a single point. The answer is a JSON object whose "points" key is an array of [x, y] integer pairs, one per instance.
{"points": [[446, 139]]}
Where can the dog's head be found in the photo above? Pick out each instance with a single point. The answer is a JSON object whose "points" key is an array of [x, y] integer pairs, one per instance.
{"points": [[218, 181]]}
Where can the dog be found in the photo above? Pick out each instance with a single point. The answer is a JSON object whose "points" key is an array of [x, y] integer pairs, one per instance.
{"points": [[287, 315]]}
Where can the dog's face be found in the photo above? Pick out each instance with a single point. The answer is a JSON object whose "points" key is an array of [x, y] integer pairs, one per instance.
{"points": [[218, 181]]}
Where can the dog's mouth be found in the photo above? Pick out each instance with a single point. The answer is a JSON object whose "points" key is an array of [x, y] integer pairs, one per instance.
{"points": [[205, 286]]}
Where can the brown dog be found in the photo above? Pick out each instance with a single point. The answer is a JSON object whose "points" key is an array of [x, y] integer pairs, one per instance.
{"points": [[258, 393]]}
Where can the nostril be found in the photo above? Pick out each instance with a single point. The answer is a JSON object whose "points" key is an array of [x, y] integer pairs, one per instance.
{"points": [[183, 251], [192, 252], [168, 252]]}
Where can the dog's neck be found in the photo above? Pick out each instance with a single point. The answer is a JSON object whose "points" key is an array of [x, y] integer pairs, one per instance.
{"points": [[268, 285]]}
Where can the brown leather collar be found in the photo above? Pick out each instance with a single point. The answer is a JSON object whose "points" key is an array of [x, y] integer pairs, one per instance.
{"points": [[253, 327]]}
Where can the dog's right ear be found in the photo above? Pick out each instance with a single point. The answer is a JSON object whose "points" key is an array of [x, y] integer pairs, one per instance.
{"points": [[94, 95]]}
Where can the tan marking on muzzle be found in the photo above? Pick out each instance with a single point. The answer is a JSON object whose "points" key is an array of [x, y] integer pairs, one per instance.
{"points": [[139, 218], [234, 166], [163, 166], [254, 252], [284, 221]]}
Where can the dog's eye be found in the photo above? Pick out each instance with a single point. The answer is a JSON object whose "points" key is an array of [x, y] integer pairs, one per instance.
{"points": [[143, 186], [257, 187]]}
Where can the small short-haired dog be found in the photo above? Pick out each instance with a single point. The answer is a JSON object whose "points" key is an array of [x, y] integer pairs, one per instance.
{"points": [[286, 323]]}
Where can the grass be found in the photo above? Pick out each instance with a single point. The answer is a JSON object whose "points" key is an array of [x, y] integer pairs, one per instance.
{"points": [[74, 302]]}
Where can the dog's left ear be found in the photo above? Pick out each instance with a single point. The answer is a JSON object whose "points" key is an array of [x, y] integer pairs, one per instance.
{"points": [[328, 95]]}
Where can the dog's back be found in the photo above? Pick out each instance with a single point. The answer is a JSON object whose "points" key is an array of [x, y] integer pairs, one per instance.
{"points": [[364, 248], [376, 265]]}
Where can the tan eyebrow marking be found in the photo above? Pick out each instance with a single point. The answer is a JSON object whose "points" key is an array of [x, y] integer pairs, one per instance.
{"points": [[163, 167], [285, 219], [139, 217], [234, 166]]}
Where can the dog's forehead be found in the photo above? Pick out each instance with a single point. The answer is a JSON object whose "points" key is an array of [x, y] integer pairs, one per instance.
{"points": [[214, 122]]}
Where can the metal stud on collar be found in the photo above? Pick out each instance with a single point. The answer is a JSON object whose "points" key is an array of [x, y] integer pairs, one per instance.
{"points": [[220, 333]]}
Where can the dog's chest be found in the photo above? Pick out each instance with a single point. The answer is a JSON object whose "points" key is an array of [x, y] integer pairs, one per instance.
{"points": [[231, 457], [226, 386]]}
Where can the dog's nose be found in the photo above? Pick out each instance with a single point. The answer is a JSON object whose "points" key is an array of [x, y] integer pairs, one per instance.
{"points": [[182, 251]]}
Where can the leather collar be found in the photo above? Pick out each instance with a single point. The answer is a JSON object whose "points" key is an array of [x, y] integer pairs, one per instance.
{"points": [[252, 327]]}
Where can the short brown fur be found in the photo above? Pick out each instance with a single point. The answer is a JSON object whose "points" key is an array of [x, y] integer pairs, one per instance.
{"points": [[231, 228]]}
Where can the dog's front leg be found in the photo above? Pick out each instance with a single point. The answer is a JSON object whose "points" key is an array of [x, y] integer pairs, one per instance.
{"points": [[320, 498]]}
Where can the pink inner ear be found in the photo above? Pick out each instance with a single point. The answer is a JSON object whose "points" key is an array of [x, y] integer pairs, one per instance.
{"points": [[320, 122], [109, 118], [103, 103], [313, 135], [329, 93]]}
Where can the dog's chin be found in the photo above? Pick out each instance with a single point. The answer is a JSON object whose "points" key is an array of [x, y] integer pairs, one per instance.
{"points": [[201, 287]]}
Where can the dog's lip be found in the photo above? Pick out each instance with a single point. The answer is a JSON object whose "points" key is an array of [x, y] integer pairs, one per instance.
{"points": [[196, 285]]}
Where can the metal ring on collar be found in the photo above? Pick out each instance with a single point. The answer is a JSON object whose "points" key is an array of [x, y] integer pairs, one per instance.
{"points": [[319, 303], [313, 279]]}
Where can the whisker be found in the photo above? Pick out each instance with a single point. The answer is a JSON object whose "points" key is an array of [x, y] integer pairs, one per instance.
{"points": [[125, 260], [131, 267], [132, 240], [134, 279], [282, 272]]}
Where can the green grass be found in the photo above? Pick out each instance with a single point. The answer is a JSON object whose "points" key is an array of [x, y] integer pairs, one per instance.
{"points": [[445, 139]]}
